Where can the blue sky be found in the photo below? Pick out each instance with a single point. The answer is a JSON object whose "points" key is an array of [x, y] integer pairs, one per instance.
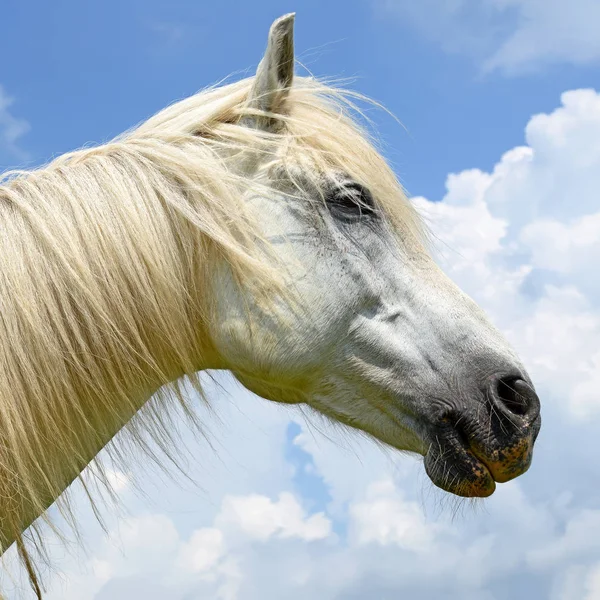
{"points": [[501, 104], [84, 72]]}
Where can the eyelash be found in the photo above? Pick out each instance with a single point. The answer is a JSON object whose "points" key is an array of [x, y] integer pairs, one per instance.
{"points": [[352, 200]]}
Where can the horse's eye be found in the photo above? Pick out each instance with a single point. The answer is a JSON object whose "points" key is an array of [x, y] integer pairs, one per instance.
{"points": [[351, 200]]}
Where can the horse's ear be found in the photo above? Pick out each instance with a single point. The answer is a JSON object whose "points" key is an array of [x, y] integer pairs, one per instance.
{"points": [[274, 74]]}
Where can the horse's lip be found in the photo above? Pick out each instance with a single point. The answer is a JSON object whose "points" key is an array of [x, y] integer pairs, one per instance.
{"points": [[453, 466]]}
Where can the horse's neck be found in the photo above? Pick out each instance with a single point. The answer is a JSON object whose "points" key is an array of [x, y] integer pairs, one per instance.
{"points": [[112, 425], [112, 380]]}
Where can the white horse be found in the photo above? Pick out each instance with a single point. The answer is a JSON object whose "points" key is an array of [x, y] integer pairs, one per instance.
{"points": [[252, 227]]}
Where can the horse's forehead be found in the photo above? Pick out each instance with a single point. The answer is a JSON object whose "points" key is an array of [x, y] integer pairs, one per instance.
{"points": [[307, 177], [291, 177]]}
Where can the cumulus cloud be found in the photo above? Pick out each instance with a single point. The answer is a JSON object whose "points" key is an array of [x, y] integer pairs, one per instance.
{"points": [[513, 36], [149, 547], [386, 518], [524, 240], [262, 518], [392, 547], [204, 549], [580, 537]]}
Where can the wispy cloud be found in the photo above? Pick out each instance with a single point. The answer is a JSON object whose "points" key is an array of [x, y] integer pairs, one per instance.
{"points": [[169, 34], [171, 37], [510, 36], [11, 129]]}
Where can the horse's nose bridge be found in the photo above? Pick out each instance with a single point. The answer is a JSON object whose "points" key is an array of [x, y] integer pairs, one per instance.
{"points": [[455, 335], [453, 318]]}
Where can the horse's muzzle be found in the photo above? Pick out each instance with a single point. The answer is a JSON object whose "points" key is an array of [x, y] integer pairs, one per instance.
{"points": [[485, 440]]}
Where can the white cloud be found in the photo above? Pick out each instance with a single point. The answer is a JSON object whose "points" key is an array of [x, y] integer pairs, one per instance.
{"points": [[386, 517], [11, 129], [592, 584], [510, 35], [533, 224], [581, 536], [203, 551], [149, 546], [118, 480], [261, 518], [579, 582]]}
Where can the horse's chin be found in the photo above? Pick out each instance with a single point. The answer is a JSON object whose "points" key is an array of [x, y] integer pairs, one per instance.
{"points": [[452, 466], [460, 473]]}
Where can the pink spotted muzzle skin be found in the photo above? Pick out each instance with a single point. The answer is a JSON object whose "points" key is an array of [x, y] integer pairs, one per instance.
{"points": [[485, 439]]}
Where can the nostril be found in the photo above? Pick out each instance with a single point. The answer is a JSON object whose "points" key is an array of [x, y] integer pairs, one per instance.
{"points": [[515, 394]]}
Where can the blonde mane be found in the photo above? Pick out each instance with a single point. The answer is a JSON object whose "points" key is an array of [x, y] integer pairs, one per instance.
{"points": [[106, 262]]}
